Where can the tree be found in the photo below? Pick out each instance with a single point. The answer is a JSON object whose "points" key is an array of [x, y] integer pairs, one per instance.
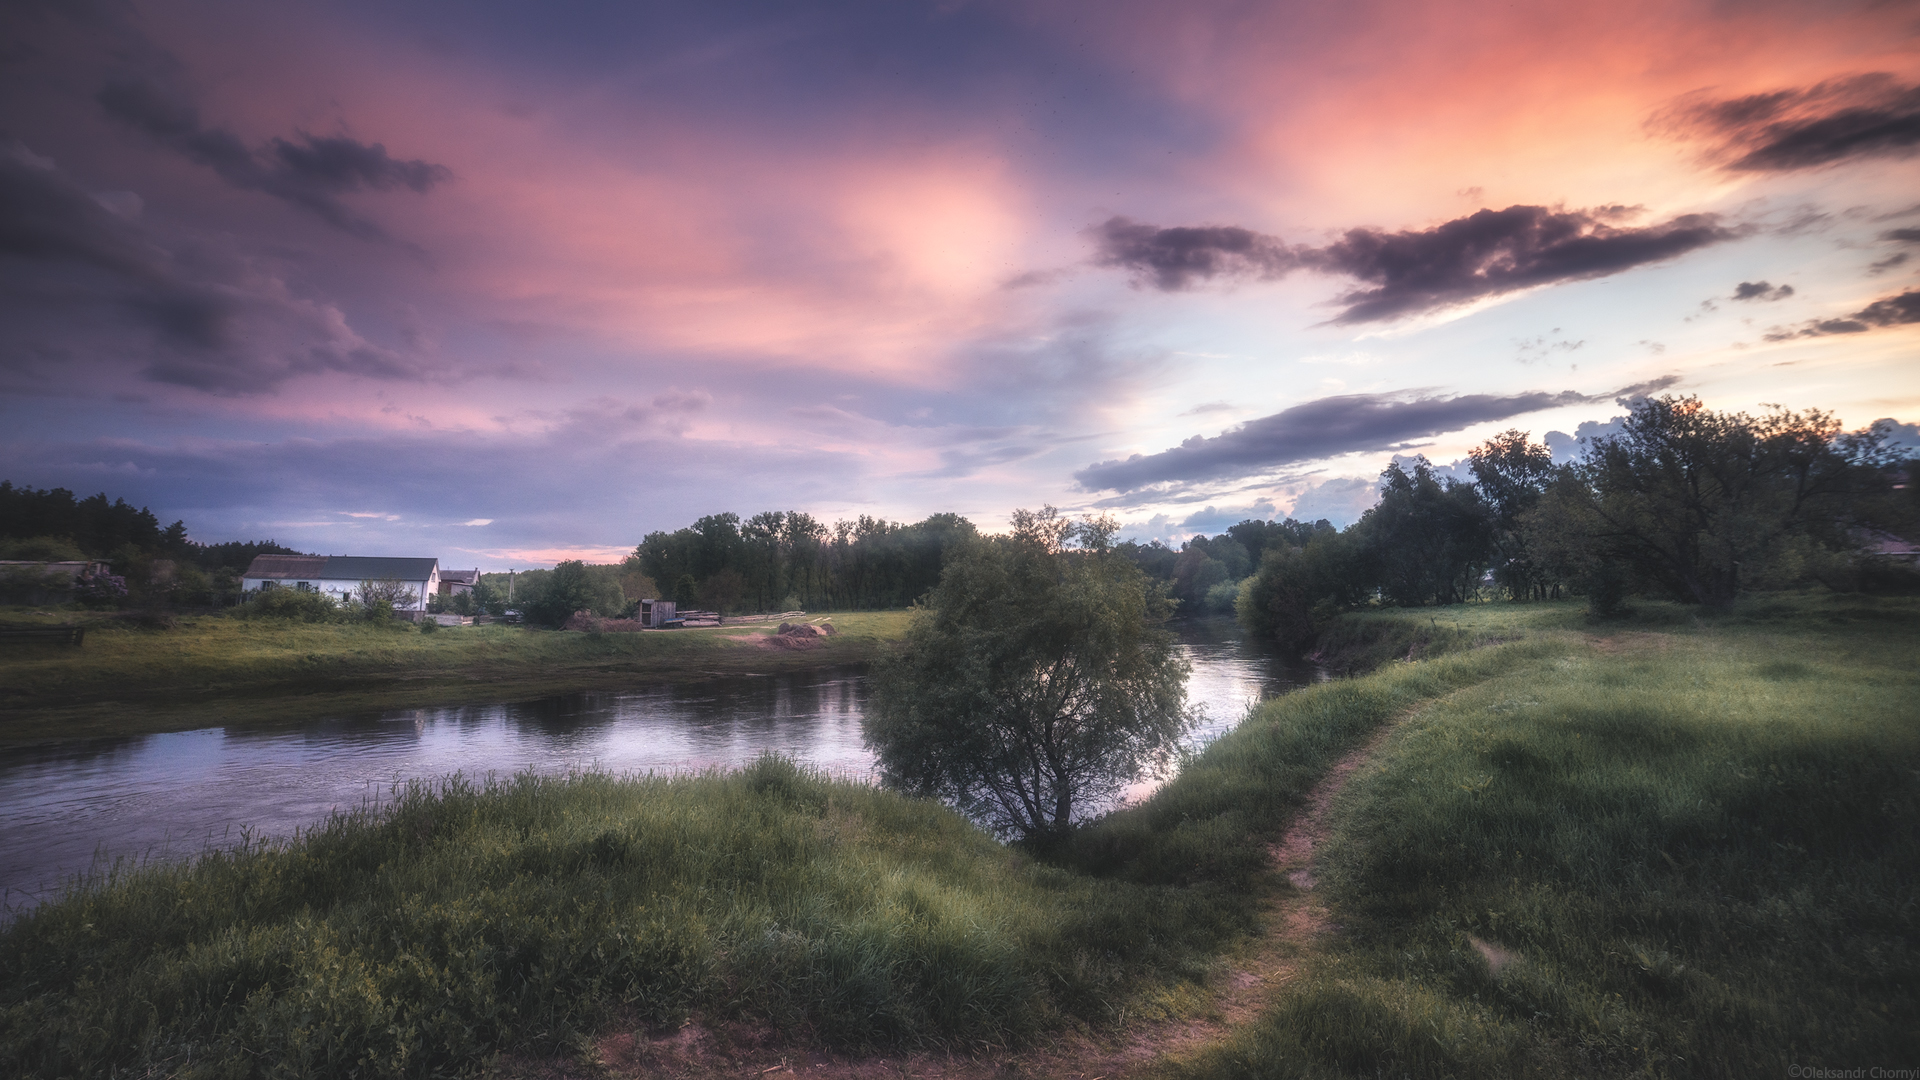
{"points": [[488, 597], [1706, 504], [1033, 680], [379, 598], [1204, 564], [568, 588], [764, 534], [1428, 540], [1512, 474], [1299, 589], [724, 591]]}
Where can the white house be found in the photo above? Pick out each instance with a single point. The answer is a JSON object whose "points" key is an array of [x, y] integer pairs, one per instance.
{"points": [[340, 575], [455, 582]]}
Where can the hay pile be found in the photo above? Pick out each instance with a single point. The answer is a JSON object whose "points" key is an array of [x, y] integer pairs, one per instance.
{"points": [[801, 635]]}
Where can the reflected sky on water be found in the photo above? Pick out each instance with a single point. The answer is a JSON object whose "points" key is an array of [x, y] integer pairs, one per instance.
{"points": [[172, 795]]}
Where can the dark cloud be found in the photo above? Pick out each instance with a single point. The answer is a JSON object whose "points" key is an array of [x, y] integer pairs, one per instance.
{"points": [[1498, 251], [1902, 236], [1761, 290], [1487, 253], [1319, 429], [311, 174], [211, 324], [1782, 130], [45, 218], [1900, 310], [1178, 257]]}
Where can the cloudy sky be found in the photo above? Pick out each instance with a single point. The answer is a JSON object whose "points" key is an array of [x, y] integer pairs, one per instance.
{"points": [[512, 283]]}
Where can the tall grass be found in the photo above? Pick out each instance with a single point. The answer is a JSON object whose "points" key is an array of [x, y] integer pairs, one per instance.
{"points": [[464, 920], [1683, 853]]}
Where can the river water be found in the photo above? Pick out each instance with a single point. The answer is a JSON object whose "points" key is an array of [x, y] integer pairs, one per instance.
{"points": [[171, 796]]}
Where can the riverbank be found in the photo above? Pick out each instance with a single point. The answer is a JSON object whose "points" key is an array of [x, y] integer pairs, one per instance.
{"points": [[1671, 846], [220, 670]]}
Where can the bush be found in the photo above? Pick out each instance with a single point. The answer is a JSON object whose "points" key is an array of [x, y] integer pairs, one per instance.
{"points": [[1222, 597], [292, 604], [1298, 589]]}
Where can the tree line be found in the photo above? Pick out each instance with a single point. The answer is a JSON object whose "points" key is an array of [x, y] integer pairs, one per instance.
{"points": [[156, 563], [788, 560], [1683, 502]]}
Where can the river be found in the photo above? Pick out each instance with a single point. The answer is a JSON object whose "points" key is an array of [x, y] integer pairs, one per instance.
{"points": [[171, 796]]}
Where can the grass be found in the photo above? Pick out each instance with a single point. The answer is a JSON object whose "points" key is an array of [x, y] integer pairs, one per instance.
{"points": [[217, 669], [465, 921], [1689, 849], [1691, 843]]}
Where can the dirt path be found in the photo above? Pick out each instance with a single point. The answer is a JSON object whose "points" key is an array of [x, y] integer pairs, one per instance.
{"points": [[1293, 920]]}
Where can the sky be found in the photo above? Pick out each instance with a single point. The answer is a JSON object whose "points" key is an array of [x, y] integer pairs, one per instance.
{"points": [[507, 284]]}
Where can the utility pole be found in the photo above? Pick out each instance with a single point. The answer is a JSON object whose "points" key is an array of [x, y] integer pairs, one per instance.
{"points": [[509, 585]]}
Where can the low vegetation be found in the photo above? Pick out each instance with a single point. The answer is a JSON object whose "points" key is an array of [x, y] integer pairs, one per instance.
{"points": [[466, 920], [200, 670]]}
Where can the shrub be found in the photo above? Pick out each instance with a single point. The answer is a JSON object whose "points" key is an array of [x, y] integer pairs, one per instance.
{"points": [[293, 604]]}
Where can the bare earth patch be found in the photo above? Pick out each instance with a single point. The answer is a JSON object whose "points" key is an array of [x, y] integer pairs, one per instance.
{"points": [[1293, 920]]}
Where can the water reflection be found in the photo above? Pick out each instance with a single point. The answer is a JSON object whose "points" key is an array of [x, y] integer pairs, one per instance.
{"points": [[168, 796]]}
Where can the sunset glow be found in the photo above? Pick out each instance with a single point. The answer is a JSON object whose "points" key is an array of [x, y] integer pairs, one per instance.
{"points": [[511, 285]]}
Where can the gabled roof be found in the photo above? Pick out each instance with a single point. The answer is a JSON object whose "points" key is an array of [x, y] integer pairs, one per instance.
{"points": [[286, 566], [358, 568], [339, 568], [460, 577]]}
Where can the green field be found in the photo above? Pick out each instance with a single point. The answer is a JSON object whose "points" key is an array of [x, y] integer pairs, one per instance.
{"points": [[220, 669], [1692, 847]]}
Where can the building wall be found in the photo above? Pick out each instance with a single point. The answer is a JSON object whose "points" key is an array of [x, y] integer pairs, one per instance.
{"points": [[337, 588]]}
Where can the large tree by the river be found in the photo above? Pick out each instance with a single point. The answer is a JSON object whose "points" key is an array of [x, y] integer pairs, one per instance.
{"points": [[1033, 681]]}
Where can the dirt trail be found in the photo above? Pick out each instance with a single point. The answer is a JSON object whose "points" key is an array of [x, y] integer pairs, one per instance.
{"points": [[1293, 920]]}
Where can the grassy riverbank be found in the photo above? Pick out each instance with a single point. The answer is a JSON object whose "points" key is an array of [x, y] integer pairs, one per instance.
{"points": [[1689, 846], [219, 669]]}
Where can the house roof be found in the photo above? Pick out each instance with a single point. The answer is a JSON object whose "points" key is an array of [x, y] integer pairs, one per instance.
{"points": [[359, 568], [340, 568], [460, 577], [287, 566]]}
